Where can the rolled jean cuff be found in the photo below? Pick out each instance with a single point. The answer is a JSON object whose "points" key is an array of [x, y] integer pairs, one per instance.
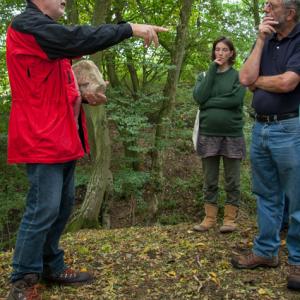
{"points": [[263, 256]]}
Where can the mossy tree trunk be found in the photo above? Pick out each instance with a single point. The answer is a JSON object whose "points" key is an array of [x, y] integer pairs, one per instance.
{"points": [[95, 207], [161, 131]]}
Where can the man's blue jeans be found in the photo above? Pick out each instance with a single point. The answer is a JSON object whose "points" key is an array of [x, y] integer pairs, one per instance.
{"points": [[285, 218], [275, 160], [49, 204]]}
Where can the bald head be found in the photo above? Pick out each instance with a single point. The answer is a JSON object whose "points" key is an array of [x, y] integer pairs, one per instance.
{"points": [[52, 8]]}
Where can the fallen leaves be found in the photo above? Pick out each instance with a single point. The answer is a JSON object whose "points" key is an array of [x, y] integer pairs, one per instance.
{"points": [[160, 263]]}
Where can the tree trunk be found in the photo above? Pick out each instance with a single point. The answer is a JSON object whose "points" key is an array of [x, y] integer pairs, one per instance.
{"points": [[95, 206], [253, 6], [256, 12], [177, 54], [72, 12]]}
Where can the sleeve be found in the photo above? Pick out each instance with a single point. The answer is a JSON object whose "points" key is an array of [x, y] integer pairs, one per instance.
{"points": [[230, 100], [204, 85], [60, 41]]}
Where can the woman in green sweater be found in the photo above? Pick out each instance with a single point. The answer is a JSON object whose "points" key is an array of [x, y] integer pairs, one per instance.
{"points": [[220, 98]]}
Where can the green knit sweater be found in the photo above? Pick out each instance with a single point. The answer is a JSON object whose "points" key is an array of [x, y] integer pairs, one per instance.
{"points": [[220, 98]]}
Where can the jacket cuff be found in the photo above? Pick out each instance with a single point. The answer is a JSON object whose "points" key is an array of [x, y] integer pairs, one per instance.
{"points": [[127, 28]]}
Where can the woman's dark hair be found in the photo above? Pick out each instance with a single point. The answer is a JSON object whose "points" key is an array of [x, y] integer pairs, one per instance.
{"points": [[229, 44]]}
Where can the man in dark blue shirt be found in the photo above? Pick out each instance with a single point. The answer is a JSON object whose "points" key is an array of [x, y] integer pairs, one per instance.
{"points": [[272, 72]]}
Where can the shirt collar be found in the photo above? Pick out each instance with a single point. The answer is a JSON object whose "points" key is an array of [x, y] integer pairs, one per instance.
{"points": [[295, 31]]}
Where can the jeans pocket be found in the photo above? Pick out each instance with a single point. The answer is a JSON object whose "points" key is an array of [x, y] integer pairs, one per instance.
{"points": [[290, 125]]}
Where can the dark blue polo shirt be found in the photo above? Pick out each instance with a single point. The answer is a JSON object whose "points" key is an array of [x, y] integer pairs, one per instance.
{"points": [[279, 57]]}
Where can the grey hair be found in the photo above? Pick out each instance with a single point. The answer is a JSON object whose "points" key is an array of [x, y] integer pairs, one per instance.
{"points": [[293, 4]]}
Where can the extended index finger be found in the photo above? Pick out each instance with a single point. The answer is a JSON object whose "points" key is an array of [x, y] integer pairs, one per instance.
{"points": [[160, 28]]}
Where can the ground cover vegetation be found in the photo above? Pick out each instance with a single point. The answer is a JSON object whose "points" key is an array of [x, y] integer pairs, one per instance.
{"points": [[163, 262], [142, 139]]}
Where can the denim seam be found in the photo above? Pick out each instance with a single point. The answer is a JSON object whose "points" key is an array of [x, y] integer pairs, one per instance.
{"points": [[33, 218]]}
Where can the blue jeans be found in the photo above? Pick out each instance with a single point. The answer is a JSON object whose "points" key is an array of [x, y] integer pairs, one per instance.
{"points": [[275, 161], [285, 218], [49, 204]]}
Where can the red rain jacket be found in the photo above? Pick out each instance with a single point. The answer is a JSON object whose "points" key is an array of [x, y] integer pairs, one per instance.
{"points": [[42, 128]]}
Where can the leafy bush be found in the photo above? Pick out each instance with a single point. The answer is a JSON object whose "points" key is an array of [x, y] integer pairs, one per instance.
{"points": [[13, 186]]}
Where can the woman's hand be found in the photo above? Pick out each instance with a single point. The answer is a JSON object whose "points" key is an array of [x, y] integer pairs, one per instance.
{"points": [[219, 61]]}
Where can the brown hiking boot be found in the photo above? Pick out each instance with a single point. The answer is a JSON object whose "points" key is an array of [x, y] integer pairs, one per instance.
{"points": [[252, 261], [230, 216], [69, 276], [25, 288], [294, 277], [210, 219]]}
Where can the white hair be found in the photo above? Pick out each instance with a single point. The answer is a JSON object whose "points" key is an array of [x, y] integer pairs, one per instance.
{"points": [[293, 4]]}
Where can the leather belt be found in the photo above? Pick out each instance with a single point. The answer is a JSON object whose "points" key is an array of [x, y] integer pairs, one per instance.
{"points": [[274, 118]]}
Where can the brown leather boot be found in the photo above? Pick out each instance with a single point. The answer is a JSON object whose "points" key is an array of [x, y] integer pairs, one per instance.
{"points": [[210, 219], [69, 276], [252, 261], [294, 277], [230, 215], [25, 288]]}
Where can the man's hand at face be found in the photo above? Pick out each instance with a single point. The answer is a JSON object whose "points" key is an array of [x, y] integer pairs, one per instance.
{"points": [[266, 27], [148, 33]]}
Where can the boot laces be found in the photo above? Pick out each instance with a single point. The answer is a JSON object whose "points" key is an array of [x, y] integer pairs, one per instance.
{"points": [[68, 273]]}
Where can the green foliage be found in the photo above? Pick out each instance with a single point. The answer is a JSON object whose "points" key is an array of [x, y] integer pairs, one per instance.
{"points": [[129, 117], [132, 120], [128, 182], [83, 173], [8, 9], [172, 219], [13, 186], [168, 204]]}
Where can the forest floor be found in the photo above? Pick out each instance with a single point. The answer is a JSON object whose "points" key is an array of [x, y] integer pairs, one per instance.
{"points": [[164, 262], [153, 262]]}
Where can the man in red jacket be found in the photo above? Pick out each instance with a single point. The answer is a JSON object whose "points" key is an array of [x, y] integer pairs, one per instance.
{"points": [[43, 132]]}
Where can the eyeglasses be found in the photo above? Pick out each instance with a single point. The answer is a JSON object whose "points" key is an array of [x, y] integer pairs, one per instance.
{"points": [[271, 6]]}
